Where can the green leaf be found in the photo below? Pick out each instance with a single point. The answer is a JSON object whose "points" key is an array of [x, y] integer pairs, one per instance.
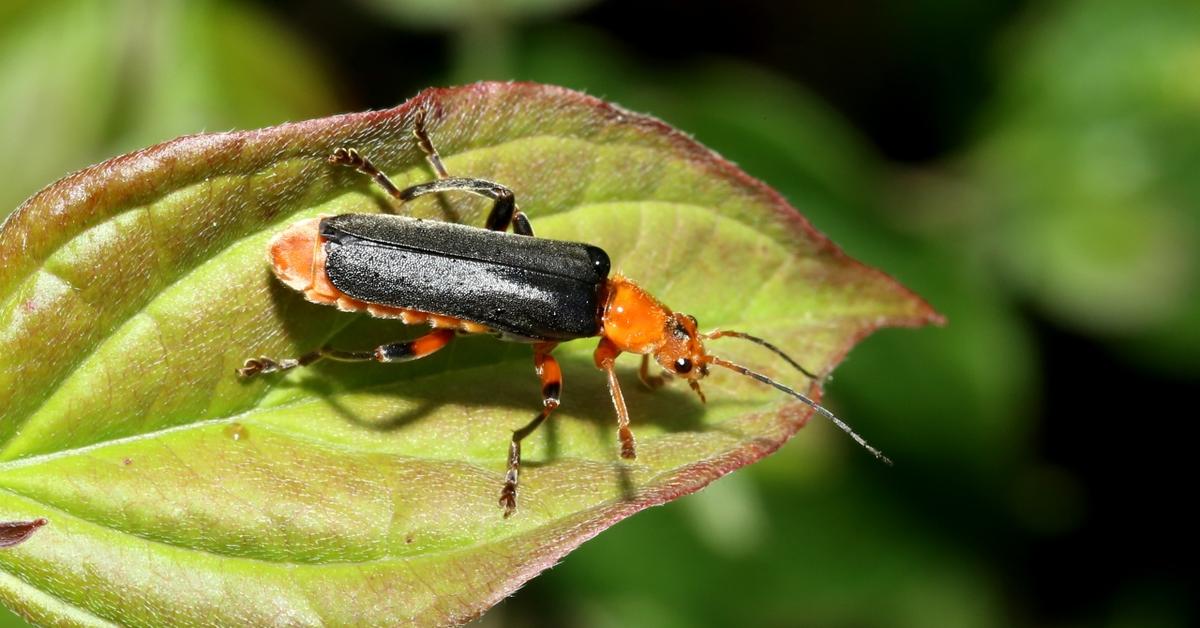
{"points": [[176, 493]]}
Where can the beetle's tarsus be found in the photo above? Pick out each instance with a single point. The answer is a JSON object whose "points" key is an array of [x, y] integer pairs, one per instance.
{"points": [[651, 382], [628, 445], [256, 366], [264, 365], [508, 499], [508, 494], [345, 156], [426, 146]]}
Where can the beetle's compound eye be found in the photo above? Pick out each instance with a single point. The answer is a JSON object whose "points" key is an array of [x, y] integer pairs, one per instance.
{"points": [[683, 365]]}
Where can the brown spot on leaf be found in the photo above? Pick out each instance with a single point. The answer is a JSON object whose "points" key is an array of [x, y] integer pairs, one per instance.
{"points": [[237, 431], [17, 532]]}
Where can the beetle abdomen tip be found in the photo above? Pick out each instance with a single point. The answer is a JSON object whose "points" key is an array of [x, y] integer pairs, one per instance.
{"points": [[293, 252]]}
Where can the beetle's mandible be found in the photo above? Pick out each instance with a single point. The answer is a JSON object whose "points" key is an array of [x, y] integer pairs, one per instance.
{"points": [[461, 279]]}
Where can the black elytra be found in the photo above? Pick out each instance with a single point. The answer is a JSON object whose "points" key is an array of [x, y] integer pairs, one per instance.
{"points": [[526, 288]]}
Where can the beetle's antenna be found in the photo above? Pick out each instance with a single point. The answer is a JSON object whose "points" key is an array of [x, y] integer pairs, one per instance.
{"points": [[721, 333], [814, 405]]}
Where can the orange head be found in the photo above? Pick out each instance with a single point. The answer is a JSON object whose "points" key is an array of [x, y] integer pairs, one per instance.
{"points": [[635, 322]]}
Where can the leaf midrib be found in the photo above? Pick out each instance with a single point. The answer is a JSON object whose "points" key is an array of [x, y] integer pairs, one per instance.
{"points": [[650, 482]]}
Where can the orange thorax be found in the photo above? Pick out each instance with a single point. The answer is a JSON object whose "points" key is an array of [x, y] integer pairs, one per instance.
{"points": [[633, 320]]}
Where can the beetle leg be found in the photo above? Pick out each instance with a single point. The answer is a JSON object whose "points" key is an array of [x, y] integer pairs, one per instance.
{"points": [[653, 382], [345, 156], [393, 352], [606, 358], [431, 153], [520, 224], [504, 211], [551, 375]]}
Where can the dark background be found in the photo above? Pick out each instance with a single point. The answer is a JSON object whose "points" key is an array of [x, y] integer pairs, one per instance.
{"points": [[1029, 167]]}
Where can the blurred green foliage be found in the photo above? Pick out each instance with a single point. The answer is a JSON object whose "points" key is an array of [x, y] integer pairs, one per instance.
{"points": [[1077, 193], [1087, 167], [82, 81], [452, 14]]}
